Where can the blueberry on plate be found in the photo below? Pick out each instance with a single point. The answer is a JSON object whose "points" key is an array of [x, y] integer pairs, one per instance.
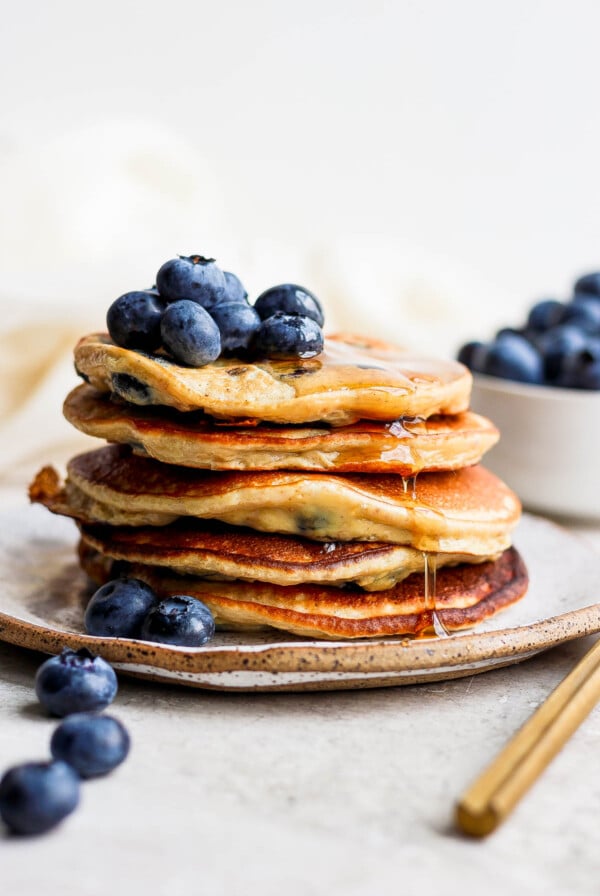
{"points": [[36, 796], [192, 277], [288, 336], [545, 314], [237, 324], [290, 299], [234, 289], [91, 744], [588, 284], [581, 369], [584, 314], [556, 344], [118, 608], [512, 358], [75, 681], [133, 320], [190, 334], [179, 620]]}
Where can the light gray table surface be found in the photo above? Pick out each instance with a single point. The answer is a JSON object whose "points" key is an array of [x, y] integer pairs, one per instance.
{"points": [[327, 793]]}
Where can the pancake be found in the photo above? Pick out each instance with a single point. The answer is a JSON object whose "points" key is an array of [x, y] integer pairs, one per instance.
{"points": [[353, 378], [217, 551], [465, 595], [465, 511], [407, 446]]}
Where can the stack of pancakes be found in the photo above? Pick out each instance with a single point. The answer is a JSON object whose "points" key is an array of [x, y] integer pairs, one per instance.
{"points": [[336, 497]]}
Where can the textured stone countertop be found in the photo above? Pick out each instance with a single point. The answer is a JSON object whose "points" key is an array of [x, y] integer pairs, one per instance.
{"points": [[306, 794]]}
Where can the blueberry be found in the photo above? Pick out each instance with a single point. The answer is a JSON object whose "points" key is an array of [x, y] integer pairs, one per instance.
{"points": [[545, 314], [556, 344], [513, 358], [584, 314], [190, 334], [468, 352], [179, 620], [75, 681], [93, 745], [133, 320], [583, 298], [589, 284], [290, 299], [234, 289], [118, 609], [509, 331], [36, 796], [191, 277], [237, 324], [130, 388], [288, 336], [581, 369]]}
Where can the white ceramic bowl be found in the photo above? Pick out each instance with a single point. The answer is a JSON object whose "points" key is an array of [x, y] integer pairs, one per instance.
{"points": [[549, 448]]}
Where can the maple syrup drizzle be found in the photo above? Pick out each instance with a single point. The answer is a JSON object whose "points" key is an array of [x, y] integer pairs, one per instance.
{"points": [[410, 482], [434, 627]]}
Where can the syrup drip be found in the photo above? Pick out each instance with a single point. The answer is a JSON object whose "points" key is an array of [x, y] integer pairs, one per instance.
{"points": [[401, 427], [434, 627], [410, 482]]}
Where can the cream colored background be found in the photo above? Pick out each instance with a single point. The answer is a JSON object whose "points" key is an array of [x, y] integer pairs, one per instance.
{"points": [[428, 168]]}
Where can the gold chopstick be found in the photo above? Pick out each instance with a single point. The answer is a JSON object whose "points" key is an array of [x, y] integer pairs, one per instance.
{"points": [[492, 796]]}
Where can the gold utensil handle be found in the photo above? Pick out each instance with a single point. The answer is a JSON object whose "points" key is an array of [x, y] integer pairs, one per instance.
{"points": [[492, 796]]}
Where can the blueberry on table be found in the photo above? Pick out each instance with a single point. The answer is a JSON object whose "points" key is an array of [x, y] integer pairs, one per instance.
{"points": [[234, 289], [237, 324], [291, 299], [191, 277], [545, 314], [91, 744], [513, 358], [133, 320], [181, 621], [118, 608], [75, 681], [190, 334], [288, 336], [589, 284], [36, 796]]}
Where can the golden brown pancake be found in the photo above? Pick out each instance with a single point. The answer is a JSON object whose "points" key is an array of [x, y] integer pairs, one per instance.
{"points": [[465, 595], [466, 511], [407, 446], [352, 379], [210, 550]]}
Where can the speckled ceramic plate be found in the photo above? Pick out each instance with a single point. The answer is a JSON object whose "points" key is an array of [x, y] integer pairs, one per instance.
{"points": [[43, 592]]}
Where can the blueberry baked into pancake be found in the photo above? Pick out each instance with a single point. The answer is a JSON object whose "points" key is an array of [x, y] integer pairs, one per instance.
{"points": [[330, 487]]}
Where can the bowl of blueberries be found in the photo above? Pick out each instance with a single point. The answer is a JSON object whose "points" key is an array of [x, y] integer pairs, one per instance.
{"points": [[540, 384]]}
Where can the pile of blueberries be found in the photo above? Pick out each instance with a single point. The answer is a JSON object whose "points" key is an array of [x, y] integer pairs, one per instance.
{"points": [[129, 608], [558, 346], [196, 311], [36, 796]]}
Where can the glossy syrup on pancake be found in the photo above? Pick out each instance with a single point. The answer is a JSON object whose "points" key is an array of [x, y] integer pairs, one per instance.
{"points": [[465, 511], [352, 378], [466, 595], [207, 549], [405, 446]]}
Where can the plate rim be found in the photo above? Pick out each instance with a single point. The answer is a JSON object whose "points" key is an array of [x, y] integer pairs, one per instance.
{"points": [[392, 655], [393, 658]]}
